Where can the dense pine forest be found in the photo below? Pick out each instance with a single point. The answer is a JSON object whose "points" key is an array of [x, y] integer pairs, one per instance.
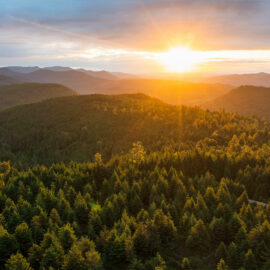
{"points": [[129, 182]]}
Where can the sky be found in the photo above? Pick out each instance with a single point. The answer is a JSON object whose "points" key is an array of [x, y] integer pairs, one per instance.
{"points": [[138, 36]]}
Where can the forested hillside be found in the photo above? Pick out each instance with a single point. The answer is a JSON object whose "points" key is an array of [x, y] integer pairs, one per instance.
{"points": [[247, 100], [76, 127], [178, 199], [17, 94]]}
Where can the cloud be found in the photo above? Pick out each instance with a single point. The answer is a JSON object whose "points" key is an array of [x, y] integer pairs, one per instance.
{"points": [[71, 27], [149, 24]]}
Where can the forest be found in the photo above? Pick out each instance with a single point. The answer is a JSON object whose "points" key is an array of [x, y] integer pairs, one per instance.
{"points": [[129, 182]]}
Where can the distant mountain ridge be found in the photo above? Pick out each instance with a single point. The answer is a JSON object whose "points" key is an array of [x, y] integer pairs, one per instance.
{"points": [[103, 74], [20, 69], [247, 100], [100, 74], [83, 82], [78, 81], [256, 79]]}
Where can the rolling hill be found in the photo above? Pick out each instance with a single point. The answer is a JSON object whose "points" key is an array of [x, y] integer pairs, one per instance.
{"points": [[17, 94], [247, 100], [76, 127]]}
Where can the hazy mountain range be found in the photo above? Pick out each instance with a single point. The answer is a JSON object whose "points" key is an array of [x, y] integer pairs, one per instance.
{"points": [[256, 79], [214, 93], [99, 74], [89, 82]]}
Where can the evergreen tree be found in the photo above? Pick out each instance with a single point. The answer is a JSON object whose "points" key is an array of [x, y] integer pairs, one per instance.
{"points": [[24, 237], [67, 236], [234, 259], [221, 252], [8, 245], [17, 262], [199, 237], [185, 265], [250, 261], [218, 230], [222, 265]]}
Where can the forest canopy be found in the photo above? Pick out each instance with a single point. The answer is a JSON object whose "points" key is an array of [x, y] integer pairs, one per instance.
{"points": [[129, 182]]}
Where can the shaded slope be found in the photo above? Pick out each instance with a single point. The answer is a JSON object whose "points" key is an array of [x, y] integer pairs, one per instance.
{"points": [[7, 80], [16, 94], [246, 100]]}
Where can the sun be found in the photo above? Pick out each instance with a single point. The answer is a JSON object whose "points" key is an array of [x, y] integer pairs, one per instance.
{"points": [[180, 59]]}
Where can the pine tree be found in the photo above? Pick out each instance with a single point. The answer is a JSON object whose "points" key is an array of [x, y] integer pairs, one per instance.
{"points": [[67, 236], [250, 261], [222, 265], [81, 210], [164, 225], [17, 262], [136, 265], [210, 197], [221, 252], [243, 199], [8, 245], [234, 258], [199, 237], [233, 227], [262, 253], [185, 265], [24, 237], [156, 263], [218, 230]]}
